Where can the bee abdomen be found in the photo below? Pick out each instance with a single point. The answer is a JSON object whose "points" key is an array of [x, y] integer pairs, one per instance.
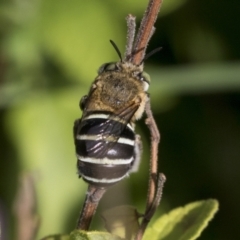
{"points": [[105, 149]]}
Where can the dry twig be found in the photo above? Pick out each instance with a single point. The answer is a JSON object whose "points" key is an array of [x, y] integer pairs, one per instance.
{"points": [[93, 196]]}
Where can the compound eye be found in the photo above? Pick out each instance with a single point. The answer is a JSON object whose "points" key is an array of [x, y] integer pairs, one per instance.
{"points": [[83, 101], [112, 66], [145, 77]]}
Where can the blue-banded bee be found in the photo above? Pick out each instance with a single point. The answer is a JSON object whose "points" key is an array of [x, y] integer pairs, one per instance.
{"points": [[106, 146]]}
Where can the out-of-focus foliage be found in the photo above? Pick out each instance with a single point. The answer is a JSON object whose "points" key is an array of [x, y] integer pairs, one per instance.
{"points": [[122, 221], [49, 53]]}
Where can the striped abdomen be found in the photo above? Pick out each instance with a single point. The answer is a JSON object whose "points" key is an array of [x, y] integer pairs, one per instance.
{"points": [[104, 148]]}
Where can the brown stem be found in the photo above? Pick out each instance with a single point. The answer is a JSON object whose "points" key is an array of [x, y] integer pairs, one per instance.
{"points": [[131, 26], [156, 181], [155, 139], [93, 196], [149, 212], [146, 30], [157, 198]]}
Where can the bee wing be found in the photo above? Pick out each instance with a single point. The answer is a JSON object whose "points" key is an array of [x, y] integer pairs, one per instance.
{"points": [[117, 122], [111, 130]]}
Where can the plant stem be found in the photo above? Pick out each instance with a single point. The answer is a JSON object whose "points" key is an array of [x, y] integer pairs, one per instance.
{"points": [[146, 30], [93, 196]]}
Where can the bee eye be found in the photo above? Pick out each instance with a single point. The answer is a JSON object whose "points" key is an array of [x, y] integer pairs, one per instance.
{"points": [[145, 77], [83, 101], [112, 66]]}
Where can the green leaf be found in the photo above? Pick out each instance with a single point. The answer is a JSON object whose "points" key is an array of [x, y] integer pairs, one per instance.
{"points": [[183, 223], [82, 235]]}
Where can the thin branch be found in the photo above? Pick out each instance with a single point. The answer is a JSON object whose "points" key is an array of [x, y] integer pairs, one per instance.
{"points": [[131, 28], [93, 196], [158, 196], [156, 181], [149, 212], [146, 30], [155, 139]]}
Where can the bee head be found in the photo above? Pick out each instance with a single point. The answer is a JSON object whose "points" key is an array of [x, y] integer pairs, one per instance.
{"points": [[126, 65], [133, 70]]}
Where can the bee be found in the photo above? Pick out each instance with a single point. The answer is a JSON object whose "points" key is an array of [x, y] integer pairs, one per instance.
{"points": [[107, 147]]}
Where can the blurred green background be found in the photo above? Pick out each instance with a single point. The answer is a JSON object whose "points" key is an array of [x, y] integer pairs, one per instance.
{"points": [[50, 51]]}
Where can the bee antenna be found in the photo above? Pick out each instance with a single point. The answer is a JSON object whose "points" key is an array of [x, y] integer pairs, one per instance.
{"points": [[117, 49], [151, 53]]}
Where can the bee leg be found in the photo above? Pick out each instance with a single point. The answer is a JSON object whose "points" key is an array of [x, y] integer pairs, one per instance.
{"points": [[137, 154]]}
